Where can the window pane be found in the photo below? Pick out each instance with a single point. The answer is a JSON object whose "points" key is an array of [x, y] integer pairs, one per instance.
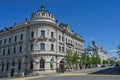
{"points": [[52, 34], [21, 37], [42, 33], [32, 34], [42, 46], [52, 47], [31, 47]]}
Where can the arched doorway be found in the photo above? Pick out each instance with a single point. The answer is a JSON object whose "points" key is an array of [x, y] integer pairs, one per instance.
{"points": [[61, 66], [19, 65], [42, 64], [31, 65]]}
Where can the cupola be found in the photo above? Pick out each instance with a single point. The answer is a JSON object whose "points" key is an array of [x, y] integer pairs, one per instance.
{"points": [[43, 15]]}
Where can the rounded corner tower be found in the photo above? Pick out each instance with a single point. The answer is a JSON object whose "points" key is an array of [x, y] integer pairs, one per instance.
{"points": [[42, 15]]}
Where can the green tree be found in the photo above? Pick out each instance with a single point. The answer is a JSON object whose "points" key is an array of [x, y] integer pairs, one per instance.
{"points": [[83, 58], [75, 59], [68, 57], [95, 60]]}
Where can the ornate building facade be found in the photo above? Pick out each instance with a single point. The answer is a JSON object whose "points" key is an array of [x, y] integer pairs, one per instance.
{"points": [[97, 51], [37, 45]]}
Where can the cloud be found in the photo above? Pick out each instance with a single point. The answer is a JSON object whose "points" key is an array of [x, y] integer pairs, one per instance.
{"points": [[112, 51]]}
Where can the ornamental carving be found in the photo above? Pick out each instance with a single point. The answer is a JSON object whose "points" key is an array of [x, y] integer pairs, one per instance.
{"points": [[42, 39], [52, 39]]}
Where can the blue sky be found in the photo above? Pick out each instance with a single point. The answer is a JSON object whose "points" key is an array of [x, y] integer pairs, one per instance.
{"points": [[93, 19]]}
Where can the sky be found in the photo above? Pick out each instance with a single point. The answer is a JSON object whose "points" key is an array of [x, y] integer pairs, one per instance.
{"points": [[97, 20]]}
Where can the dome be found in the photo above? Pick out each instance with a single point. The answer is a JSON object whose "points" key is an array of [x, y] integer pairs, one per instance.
{"points": [[42, 15]]}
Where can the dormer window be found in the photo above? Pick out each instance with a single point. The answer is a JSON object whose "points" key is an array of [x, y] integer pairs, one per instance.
{"points": [[52, 16], [43, 14]]}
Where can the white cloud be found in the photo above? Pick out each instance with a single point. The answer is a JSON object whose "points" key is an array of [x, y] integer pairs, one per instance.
{"points": [[112, 51]]}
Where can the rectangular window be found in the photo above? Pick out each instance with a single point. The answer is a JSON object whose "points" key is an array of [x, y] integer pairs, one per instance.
{"points": [[5, 40], [14, 50], [9, 40], [15, 38], [59, 37], [42, 46], [62, 38], [0, 51], [42, 33], [31, 47], [0, 42], [59, 48], [62, 49], [66, 40], [32, 34], [8, 51], [52, 35], [20, 49], [3, 52], [21, 37], [52, 47]]}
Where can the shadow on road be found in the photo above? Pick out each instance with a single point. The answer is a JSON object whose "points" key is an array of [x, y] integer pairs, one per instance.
{"points": [[108, 71]]}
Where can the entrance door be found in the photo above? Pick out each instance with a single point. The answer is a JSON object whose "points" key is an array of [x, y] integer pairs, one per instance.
{"points": [[12, 72]]}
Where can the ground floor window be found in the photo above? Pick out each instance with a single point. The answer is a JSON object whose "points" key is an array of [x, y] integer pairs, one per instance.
{"points": [[19, 65], [7, 67], [42, 64], [2, 68], [31, 64]]}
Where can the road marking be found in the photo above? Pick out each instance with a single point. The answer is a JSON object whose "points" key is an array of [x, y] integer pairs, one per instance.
{"points": [[27, 78], [65, 74], [86, 74]]}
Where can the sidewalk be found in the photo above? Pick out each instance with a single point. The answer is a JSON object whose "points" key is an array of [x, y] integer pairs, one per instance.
{"points": [[73, 72]]}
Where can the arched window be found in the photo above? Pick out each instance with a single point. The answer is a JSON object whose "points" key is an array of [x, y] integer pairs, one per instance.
{"points": [[31, 64], [2, 68], [42, 64], [19, 65], [7, 67]]}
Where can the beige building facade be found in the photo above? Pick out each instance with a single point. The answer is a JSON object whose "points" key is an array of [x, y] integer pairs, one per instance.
{"points": [[37, 45]]}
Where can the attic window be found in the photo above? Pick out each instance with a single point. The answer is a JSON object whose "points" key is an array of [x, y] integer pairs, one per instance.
{"points": [[43, 14], [51, 16]]}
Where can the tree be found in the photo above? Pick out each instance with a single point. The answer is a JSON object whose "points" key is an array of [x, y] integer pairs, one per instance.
{"points": [[68, 57], [95, 60], [83, 58], [75, 59]]}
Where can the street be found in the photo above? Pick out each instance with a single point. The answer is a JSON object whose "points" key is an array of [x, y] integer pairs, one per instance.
{"points": [[108, 73]]}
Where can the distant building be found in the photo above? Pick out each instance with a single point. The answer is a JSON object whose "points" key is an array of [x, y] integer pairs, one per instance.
{"points": [[113, 58], [96, 51], [37, 45]]}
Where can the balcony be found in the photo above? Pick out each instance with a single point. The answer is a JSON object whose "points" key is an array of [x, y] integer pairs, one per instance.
{"points": [[52, 39], [69, 44], [42, 39]]}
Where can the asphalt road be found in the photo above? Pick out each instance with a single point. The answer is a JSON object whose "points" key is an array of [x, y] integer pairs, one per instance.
{"points": [[79, 78], [107, 73]]}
